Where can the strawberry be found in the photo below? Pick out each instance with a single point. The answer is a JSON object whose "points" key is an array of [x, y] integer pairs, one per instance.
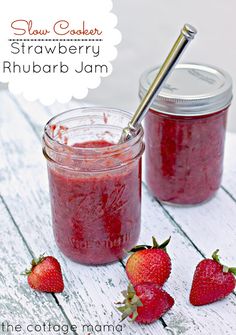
{"points": [[45, 275], [145, 303], [212, 281], [149, 264]]}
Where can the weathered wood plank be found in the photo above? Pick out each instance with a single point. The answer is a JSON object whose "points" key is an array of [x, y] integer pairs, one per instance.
{"points": [[19, 305], [37, 114], [184, 318], [90, 291], [209, 226]]}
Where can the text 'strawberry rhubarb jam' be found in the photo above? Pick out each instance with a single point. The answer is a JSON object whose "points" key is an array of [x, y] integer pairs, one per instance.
{"points": [[185, 133], [95, 184]]}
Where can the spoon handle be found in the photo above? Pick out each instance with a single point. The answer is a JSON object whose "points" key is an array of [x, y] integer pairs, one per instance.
{"points": [[187, 34]]}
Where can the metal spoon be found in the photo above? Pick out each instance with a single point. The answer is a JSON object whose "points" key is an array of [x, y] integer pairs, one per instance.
{"points": [[187, 34]]}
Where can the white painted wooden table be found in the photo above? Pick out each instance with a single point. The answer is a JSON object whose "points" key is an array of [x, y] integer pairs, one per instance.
{"points": [[90, 292]]}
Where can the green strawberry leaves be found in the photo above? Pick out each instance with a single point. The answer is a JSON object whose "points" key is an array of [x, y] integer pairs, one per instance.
{"points": [[154, 245], [130, 304]]}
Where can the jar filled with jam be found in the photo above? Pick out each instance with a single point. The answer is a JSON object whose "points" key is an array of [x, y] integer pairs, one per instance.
{"points": [[185, 133], [95, 184]]}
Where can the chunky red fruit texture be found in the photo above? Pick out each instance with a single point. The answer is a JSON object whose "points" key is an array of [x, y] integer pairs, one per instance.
{"points": [[45, 275], [212, 281], [150, 264], [145, 303]]}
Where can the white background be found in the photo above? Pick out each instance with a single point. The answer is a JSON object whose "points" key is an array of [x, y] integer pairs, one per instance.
{"points": [[149, 28], [48, 87]]}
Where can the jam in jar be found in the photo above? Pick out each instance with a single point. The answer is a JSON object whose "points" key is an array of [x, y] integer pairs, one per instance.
{"points": [[95, 184], [185, 133]]}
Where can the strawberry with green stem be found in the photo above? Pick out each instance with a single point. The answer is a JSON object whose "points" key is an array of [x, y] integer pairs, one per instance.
{"points": [[45, 275], [149, 263], [212, 281]]}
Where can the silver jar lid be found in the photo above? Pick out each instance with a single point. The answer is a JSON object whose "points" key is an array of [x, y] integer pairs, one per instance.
{"points": [[191, 89]]}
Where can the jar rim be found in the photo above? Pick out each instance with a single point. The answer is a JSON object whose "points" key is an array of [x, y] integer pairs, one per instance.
{"points": [[91, 153], [194, 89]]}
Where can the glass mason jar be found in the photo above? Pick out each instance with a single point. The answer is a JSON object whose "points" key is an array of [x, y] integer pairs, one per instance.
{"points": [[185, 133], [95, 184]]}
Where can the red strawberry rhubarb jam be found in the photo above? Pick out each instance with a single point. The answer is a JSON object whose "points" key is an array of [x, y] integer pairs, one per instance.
{"points": [[95, 189], [185, 161], [185, 134]]}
